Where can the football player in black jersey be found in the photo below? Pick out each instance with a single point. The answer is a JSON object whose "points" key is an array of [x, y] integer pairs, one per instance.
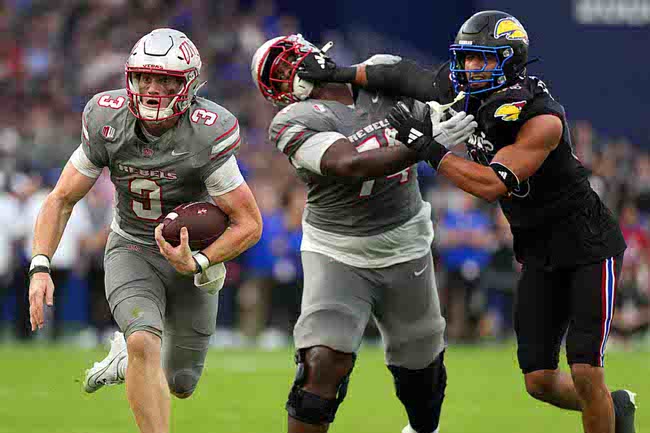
{"points": [[569, 243]]}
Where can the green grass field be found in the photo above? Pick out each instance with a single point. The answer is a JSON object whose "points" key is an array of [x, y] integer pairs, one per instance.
{"points": [[245, 391]]}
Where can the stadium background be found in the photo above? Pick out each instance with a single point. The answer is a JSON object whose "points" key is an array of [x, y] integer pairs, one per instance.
{"points": [[54, 55]]}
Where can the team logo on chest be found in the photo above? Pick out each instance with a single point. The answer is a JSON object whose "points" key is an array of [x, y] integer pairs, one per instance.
{"points": [[510, 112], [147, 152], [108, 132]]}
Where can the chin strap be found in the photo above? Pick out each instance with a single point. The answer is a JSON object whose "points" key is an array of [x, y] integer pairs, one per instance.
{"points": [[196, 91]]}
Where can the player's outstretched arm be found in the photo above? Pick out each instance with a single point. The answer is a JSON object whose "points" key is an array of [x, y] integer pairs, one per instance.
{"points": [[343, 160], [404, 78], [511, 165], [52, 219]]}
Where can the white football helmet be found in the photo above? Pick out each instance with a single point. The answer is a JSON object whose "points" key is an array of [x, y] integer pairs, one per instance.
{"points": [[167, 52], [284, 50]]}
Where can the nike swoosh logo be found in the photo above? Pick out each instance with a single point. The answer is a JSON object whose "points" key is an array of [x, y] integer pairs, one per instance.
{"points": [[418, 273], [375, 99], [174, 153]]}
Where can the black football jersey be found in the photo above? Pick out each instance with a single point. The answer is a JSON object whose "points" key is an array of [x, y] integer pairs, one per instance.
{"points": [[556, 217], [560, 184]]}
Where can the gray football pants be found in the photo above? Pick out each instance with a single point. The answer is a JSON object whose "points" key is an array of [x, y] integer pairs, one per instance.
{"points": [[145, 293], [339, 299]]}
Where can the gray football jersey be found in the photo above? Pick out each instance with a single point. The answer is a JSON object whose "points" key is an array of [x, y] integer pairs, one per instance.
{"points": [[362, 208], [152, 178]]}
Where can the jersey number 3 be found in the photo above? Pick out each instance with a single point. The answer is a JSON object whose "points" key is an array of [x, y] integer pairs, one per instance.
{"points": [[107, 101], [148, 206]]}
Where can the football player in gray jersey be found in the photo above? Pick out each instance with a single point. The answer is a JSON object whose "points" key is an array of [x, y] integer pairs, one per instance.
{"points": [[366, 247], [164, 146]]}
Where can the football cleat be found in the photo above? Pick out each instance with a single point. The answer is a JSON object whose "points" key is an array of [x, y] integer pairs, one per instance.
{"points": [[624, 409], [106, 372]]}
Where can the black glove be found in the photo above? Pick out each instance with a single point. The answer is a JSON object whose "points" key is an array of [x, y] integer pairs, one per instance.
{"points": [[318, 66], [416, 134], [477, 152]]}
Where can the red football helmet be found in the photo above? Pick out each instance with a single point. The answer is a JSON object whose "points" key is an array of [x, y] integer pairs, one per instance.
{"points": [[276, 62]]}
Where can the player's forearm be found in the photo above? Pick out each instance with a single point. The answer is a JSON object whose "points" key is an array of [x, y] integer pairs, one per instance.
{"points": [[238, 237], [50, 224], [476, 179], [404, 78], [370, 164], [382, 162]]}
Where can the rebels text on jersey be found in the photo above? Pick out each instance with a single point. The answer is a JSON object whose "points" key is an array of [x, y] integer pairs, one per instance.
{"points": [[354, 208], [154, 175]]}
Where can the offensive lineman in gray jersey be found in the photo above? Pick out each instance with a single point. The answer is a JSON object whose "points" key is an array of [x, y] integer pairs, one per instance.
{"points": [[366, 247], [164, 147]]}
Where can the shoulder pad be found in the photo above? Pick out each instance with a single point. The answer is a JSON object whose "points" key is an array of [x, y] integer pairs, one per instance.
{"points": [[111, 102], [297, 122], [213, 125], [506, 104], [311, 114], [103, 113]]}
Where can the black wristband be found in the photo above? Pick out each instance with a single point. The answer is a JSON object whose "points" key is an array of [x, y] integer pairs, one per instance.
{"points": [[198, 266], [344, 75], [38, 269], [505, 175]]}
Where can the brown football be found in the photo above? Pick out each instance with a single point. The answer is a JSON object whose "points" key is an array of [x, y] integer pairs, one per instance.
{"points": [[205, 222]]}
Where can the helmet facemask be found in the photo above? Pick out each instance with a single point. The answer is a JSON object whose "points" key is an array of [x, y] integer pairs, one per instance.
{"points": [[485, 35], [498, 75], [179, 101]]}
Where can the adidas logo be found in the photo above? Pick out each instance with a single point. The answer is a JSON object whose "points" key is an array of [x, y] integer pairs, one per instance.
{"points": [[414, 134], [320, 58], [503, 174]]}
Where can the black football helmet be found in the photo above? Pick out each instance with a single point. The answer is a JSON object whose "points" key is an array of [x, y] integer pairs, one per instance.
{"points": [[489, 32]]}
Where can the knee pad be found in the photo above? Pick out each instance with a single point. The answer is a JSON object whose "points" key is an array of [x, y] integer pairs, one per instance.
{"points": [[422, 393], [182, 383], [311, 408]]}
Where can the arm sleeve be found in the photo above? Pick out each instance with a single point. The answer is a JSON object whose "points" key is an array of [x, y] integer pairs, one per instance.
{"points": [[309, 155], [404, 78], [84, 165], [224, 179]]}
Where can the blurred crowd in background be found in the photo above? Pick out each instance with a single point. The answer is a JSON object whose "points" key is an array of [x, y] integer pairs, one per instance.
{"points": [[55, 55]]}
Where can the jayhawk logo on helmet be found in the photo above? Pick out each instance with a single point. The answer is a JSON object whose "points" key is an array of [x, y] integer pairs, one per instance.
{"points": [[510, 112], [512, 29]]}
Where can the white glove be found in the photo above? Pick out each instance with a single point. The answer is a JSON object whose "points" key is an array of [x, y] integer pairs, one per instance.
{"points": [[454, 131]]}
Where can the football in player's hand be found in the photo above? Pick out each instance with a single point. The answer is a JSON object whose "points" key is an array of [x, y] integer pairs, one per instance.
{"points": [[205, 222]]}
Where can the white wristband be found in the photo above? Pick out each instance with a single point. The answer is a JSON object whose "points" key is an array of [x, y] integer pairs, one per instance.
{"points": [[202, 260], [39, 260]]}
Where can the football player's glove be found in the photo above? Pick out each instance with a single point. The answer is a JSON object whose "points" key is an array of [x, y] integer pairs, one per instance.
{"points": [[431, 139], [477, 152], [318, 66]]}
